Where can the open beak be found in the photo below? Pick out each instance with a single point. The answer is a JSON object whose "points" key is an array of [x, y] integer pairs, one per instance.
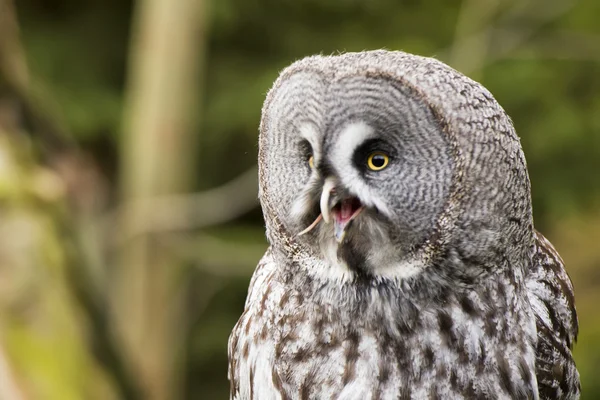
{"points": [[341, 211]]}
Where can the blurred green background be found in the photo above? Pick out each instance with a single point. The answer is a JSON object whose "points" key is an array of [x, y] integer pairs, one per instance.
{"points": [[128, 133]]}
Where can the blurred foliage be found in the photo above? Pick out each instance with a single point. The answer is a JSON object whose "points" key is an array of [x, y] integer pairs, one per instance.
{"points": [[44, 331], [540, 59]]}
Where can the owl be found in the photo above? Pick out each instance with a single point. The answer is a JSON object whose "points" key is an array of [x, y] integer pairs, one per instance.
{"points": [[403, 260]]}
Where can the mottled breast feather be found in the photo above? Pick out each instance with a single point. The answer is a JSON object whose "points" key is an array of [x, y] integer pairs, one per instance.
{"points": [[552, 299]]}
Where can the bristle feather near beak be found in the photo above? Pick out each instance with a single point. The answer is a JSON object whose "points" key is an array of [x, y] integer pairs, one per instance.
{"points": [[311, 226]]}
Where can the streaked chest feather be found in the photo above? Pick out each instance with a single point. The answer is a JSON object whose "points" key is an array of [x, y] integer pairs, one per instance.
{"points": [[302, 343]]}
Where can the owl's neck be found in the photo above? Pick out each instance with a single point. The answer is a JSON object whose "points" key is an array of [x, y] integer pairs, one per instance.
{"points": [[409, 300]]}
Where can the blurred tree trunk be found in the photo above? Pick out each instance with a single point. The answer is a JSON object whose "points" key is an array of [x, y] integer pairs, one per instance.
{"points": [[150, 285]]}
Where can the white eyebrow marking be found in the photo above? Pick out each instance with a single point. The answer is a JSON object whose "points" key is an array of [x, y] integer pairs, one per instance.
{"points": [[352, 136]]}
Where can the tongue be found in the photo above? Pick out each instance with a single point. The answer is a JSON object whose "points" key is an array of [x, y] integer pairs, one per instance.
{"points": [[346, 210], [342, 217]]}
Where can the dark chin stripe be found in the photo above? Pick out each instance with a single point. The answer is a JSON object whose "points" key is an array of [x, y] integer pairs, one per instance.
{"points": [[355, 259]]}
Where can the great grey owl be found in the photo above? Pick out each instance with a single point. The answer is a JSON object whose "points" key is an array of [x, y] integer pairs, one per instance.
{"points": [[403, 261]]}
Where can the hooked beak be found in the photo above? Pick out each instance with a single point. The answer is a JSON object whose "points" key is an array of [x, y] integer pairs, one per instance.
{"points": [[328, 187]]}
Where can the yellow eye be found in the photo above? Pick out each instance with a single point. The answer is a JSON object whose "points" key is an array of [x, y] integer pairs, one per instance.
{"points": [[311, 162], [377, 161]]}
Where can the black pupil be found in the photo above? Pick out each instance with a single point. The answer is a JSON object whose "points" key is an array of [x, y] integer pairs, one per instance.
{"points": [[378, 160]]}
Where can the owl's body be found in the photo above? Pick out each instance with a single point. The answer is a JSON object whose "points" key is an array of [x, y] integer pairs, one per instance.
{"points": [[422, 276]]}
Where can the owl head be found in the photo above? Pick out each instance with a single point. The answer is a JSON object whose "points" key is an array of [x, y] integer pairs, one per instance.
{"points": [[378, 163]]}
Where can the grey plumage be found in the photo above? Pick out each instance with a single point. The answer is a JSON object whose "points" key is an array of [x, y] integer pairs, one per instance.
{"points": [[426, 278]]}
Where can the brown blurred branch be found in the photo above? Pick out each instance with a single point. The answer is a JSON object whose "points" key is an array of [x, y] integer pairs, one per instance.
{"points": [[191, 211], [17, 106], [218, 257], [12, 60]]}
